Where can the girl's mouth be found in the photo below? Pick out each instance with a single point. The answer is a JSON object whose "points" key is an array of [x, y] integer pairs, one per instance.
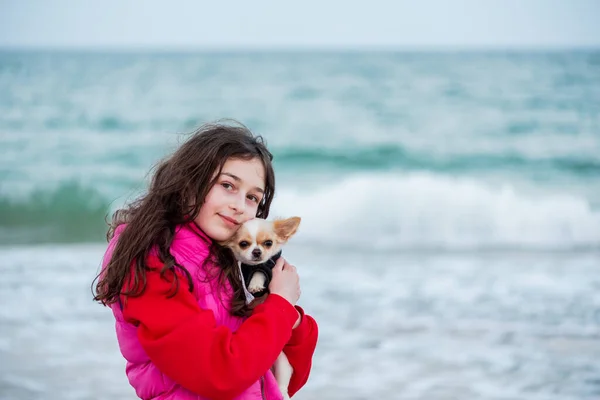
{"points": [[229, 221]]}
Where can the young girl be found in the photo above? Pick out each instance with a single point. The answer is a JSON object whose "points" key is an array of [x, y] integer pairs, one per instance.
{"points": [[182, 321]]}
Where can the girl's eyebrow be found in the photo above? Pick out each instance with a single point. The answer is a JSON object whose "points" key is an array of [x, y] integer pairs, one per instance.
{"points": [[238, 179]]}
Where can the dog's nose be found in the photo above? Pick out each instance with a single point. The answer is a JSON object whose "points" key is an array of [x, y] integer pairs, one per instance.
{"points": [[256, 253]]}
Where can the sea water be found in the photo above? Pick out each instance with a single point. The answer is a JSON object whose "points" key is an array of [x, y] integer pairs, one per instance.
{"points": [[450, 203]]}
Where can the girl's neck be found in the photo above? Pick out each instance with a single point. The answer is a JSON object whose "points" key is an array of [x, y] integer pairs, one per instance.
{"points": [[193, 226]]}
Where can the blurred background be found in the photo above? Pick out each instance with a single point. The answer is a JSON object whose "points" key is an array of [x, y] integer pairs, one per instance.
{"points": [[444, 157]]}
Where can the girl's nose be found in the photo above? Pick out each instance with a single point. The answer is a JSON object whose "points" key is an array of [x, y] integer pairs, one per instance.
{"points": [[238, 204]]}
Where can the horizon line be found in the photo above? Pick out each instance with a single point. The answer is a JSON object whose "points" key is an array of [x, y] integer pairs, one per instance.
{"points": [[296, 48]]}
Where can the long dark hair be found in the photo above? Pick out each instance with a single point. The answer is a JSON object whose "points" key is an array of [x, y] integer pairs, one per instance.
{"points": [[188, 174]]}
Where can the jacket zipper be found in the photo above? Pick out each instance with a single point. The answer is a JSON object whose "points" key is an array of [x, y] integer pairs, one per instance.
{"points": [[262, 388]]}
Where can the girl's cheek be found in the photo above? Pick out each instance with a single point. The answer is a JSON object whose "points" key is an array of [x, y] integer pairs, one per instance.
{"points": [[250, 213]]}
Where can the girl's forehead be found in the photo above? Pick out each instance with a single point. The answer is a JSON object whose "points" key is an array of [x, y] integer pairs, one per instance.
{"points": [[249, 172]]}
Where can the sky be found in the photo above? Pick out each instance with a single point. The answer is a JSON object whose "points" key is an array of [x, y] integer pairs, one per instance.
{"points": [[299, 24]]}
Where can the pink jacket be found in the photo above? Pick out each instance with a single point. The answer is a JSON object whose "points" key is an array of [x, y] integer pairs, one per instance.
{"points": [[149, 383]]}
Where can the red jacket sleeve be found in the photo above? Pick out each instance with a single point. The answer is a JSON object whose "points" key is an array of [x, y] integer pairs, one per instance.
{"points": [[184, 342], [300, 349]]}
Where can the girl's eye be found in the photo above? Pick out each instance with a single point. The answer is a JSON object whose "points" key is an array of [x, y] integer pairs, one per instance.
{"points": [[253, 198], [268, 243], [244, 244], [227, 186]]}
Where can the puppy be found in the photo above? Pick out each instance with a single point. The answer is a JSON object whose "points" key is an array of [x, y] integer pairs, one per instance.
{"points": [[257, 246]]}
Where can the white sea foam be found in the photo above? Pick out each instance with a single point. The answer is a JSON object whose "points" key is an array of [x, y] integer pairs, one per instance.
{"points": [[429, 211]]}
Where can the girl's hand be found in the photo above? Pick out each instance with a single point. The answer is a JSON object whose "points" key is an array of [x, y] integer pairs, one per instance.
{"points": [[259, 300], [285, 281]]}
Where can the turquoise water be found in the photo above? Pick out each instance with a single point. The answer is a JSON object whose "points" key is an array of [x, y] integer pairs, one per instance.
{"points": [[465, 140], [450, 203]]}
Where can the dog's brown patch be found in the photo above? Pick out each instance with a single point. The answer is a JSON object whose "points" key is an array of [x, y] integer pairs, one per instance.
{"points": [[263, 236]]}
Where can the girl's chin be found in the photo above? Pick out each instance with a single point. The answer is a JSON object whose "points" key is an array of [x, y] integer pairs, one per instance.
{"points": [[222, 234]]}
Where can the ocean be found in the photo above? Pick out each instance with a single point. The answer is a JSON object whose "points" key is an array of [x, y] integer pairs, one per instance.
{"points": [[450, 203]]}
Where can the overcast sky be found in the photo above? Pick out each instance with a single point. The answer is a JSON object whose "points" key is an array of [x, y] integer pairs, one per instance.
{"points": [[305, 23]]}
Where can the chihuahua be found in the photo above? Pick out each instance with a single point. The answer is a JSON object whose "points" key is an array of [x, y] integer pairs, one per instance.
{"points": [[257, 246]]}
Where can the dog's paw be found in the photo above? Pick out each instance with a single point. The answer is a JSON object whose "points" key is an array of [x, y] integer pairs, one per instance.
{"points": [[252, 288]]}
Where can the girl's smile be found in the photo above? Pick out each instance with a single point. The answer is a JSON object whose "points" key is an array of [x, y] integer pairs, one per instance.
{"points": [[229, 221]]}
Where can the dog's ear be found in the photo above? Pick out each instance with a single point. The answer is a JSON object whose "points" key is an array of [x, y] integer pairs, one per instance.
{"points": [[286, 228]]}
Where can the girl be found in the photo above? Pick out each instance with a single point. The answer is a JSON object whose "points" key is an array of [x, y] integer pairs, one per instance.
{"points": [[182, 321]]}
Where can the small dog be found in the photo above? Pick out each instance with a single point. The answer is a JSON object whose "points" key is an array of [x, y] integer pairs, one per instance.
{"points": [[257, 246]]}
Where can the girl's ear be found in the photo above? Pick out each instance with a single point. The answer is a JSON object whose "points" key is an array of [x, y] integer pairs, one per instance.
{"points": [[286, 228]]}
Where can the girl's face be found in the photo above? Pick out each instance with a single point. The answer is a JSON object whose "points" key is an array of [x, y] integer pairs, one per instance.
{"points": [[234, 198]]}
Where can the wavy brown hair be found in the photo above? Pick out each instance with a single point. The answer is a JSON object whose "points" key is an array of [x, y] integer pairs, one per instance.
{"points": [[188, 174]]}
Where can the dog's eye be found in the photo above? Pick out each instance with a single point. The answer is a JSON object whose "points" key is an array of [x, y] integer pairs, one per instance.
{"points": [[244, 244], [268, 243]]}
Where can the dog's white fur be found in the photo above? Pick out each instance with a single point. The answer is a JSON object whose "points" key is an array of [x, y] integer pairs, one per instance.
{"points": [[255, 242]]}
